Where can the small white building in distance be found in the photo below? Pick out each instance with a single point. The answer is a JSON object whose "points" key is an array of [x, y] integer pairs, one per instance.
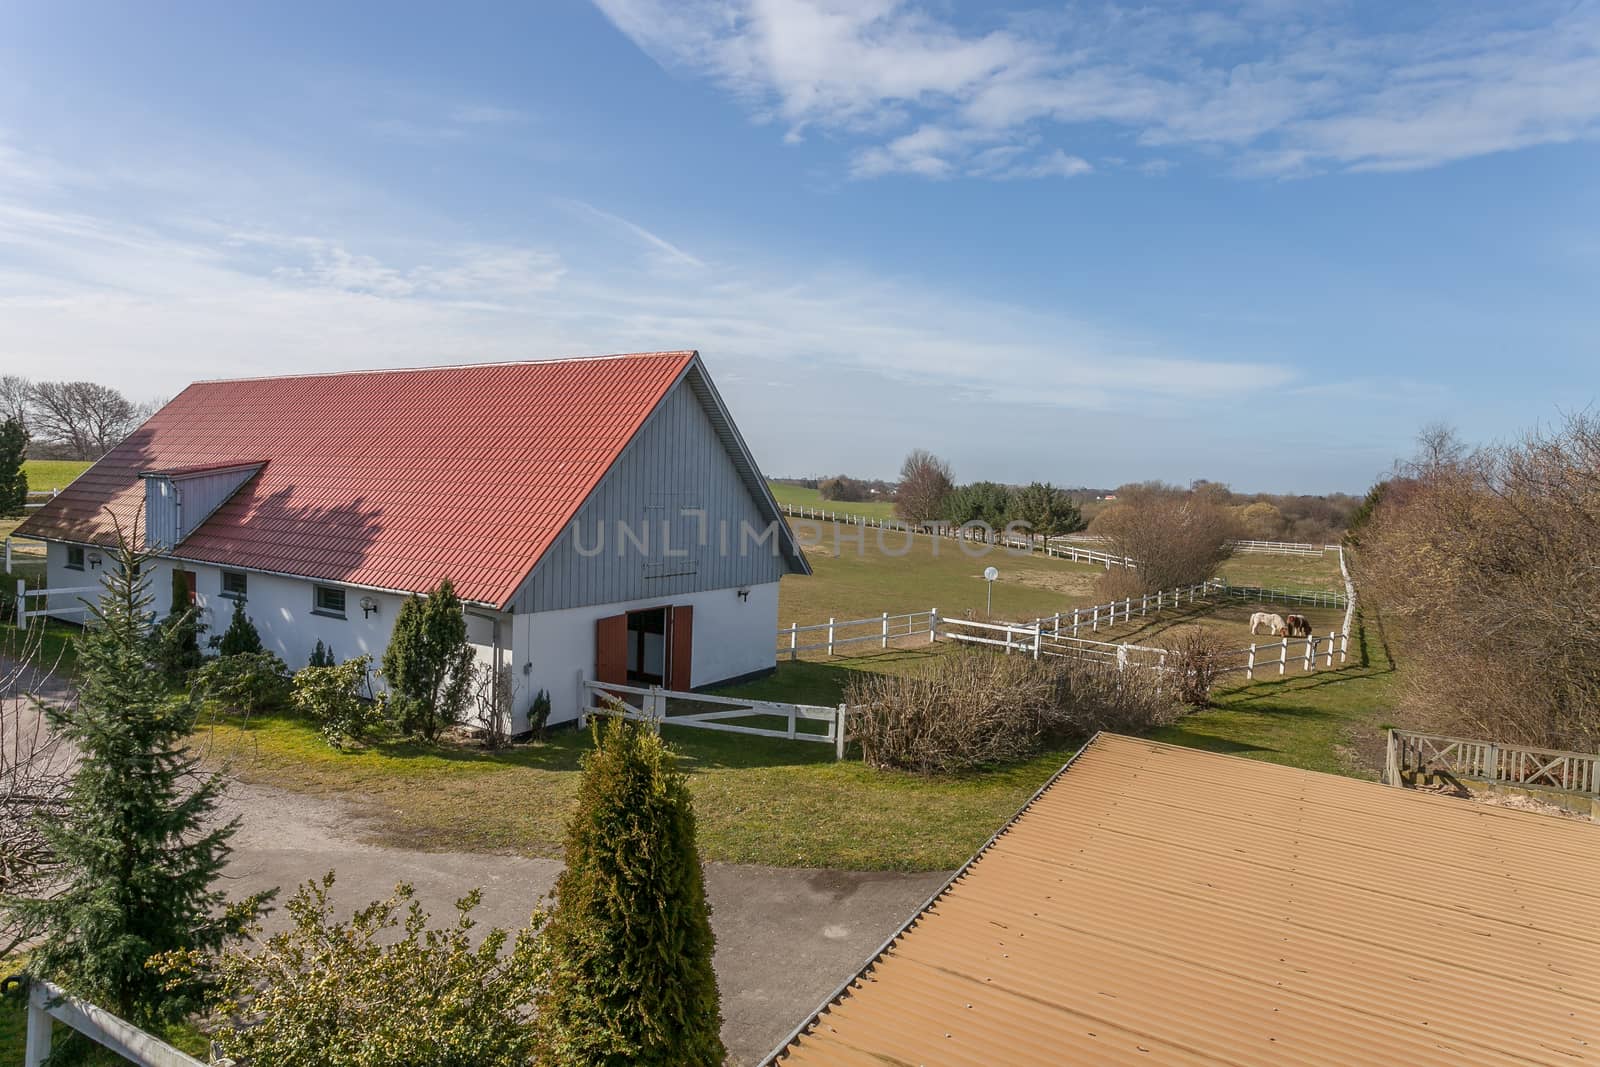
{"points": [[601, 518]]}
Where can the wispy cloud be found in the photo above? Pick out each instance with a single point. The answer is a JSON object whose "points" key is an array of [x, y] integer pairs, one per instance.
{"points": [[663, 247], [1279, 89]]}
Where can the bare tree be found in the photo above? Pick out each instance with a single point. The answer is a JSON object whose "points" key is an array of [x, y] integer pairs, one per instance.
{"points": [[15, 394], [924, 484], [1177, 537], [1487, 567], [35, 774], [84, 419]]}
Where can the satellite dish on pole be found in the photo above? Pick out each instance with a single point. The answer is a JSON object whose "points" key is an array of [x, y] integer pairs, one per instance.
{"points": [[989, 575]]}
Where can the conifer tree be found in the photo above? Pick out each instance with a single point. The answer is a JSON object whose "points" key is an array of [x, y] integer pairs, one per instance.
{"points": [[13, 479], [428, 664], [137, 849], [628, 946], [180, 632], [241, 635]]}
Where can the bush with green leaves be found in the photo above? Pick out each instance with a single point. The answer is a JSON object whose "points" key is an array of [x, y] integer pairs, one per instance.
{"points": [[13, 478], [428, 664], [333, 698], [539, 713], [241, 635], [384, 989], [627, 971], [247, 681]]}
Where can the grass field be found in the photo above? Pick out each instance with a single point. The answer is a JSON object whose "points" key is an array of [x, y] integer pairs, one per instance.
{"points": [[926, 573], [1305, 573], [800, 496], [46, 474], [756, 800]]}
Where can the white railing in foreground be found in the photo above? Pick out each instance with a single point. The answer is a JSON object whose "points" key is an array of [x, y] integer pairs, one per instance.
{"points": [[78, 608], [652, 707], [47, 1001]]}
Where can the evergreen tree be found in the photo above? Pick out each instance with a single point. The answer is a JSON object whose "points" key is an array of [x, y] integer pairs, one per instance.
{"points": [[628, 945], [241, 635], [13, 480], [1048, 511], [137, 847], [428, 664], [985, 502]]}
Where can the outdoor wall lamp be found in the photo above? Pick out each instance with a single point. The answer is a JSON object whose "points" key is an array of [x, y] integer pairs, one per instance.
{"points": [[744, 594], [94, 560], [368, 606]]}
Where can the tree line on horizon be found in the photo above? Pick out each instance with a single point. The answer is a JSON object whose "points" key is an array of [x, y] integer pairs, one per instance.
{"points": [[69, 420]]}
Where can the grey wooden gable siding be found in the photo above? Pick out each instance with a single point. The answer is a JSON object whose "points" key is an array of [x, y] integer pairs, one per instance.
{"points": [[676, 461], [165, 523]]}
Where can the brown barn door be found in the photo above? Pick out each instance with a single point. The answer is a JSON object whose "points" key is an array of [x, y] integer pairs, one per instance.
{"points": [[189, 583], [681, 633], [611, 650]]}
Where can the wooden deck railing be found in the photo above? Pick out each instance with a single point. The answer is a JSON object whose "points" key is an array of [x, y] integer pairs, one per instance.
{"points": [[1491, 761]]}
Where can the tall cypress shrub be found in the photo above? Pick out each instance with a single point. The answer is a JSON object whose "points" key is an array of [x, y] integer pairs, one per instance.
{"points": [[13, 479], [628, 944], [180, 633], [137, 847], [428, 664], [241, 635]]}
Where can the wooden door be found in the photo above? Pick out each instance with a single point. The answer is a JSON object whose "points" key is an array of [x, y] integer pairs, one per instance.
{"points": [[611, 650], [681, 634]]}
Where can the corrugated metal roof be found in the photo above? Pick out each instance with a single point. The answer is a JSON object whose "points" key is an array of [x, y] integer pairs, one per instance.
{"points": [[389, 479], [1157, 904]]}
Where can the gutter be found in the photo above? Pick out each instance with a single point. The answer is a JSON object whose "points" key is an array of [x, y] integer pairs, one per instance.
{"points": [[838, 994]]}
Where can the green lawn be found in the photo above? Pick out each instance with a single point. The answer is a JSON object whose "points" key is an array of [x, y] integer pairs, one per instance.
{"points": [[800, 496], [915, 573], [757, 800], [46, 474]]}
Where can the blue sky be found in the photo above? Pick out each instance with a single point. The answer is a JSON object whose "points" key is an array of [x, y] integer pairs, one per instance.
{"points": [[1261, 242]]}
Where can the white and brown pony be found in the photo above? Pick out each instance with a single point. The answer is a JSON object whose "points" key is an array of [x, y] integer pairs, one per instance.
{"points": [[1274, 623], [1298, 625]]}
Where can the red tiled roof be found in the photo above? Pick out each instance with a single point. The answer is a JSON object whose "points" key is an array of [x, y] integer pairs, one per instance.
{"points": [[388, 479]]}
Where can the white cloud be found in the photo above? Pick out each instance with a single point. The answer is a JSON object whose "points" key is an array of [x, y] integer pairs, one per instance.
{"points": [[1285, 88]]}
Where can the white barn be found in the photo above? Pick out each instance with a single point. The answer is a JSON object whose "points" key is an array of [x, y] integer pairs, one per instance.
{"points": [[602, 518]]}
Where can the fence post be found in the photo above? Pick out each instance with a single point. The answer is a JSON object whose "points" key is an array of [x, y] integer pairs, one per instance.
{"points": [[38, 1047], [1075, 622], [886, 629], [1250, 664], [22, 602], [794, 641], [1391, 759], [830, 637], [839, 717], [1127, 609], [1491, 763], [8, 555], [1122, 657], [1344, 647], [1311, 653], [933, 625], [1283, 659], [1038, 636], [1332, 640], [583, 701], [1095, 628]]}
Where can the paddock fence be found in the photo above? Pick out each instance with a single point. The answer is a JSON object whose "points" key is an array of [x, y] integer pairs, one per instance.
{"points": [[703, 711], [1056, 547], [1492, 762], [79, 597], [48, 1002]]}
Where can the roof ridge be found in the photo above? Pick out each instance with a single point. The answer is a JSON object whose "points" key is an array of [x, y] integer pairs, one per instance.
{"points": [[675, 353]]}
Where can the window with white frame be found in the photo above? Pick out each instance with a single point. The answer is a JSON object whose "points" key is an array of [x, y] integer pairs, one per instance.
{"points": [[235, 585], [328, 600]]}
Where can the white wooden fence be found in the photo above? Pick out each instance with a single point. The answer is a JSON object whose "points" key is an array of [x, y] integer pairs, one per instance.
{"points": [[1050, 546], [47, 1001], [651, 705], [1282, 548], [77, 607], [1491, 761]]}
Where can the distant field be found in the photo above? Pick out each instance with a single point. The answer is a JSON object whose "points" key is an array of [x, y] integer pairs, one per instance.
{"points": [[799, 496], [47, 474], [1285, 572], [931, 573]]}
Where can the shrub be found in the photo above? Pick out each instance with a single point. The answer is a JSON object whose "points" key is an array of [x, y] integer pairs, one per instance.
{"points": [[248, 681], [539, 713], [332, 698], [179, 634], [1194, 663], [322, 656], [492, 694], [924, 484], [976, 708], [628, 976], [385, 989], [241, 635], [1178, 538], [428, 664]]}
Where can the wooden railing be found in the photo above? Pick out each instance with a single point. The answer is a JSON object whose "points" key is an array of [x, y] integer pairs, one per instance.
{"points": [[48, 1002], [1492, 762]]}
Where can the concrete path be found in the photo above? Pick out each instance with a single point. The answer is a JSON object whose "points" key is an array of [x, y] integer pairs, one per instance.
{"points": [[785, 938]]}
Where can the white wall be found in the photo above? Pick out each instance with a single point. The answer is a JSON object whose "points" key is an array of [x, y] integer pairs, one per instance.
{"points": [[731, 637], [65, 606]]}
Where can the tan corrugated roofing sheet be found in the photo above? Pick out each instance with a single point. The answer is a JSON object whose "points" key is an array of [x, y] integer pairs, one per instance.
{"points": [[1158, 904]]}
